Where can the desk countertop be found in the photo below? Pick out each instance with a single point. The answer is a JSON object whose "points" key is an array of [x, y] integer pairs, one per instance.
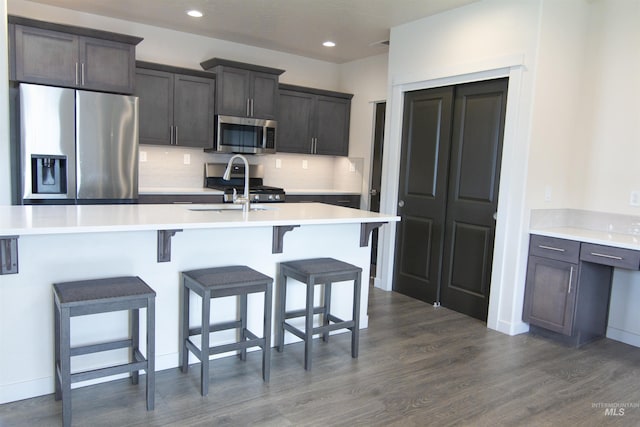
{"points": [[627, 241]]}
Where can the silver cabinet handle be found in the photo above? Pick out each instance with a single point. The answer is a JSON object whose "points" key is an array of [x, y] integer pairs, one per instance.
{"points": [[570, 279], [619, 258], [551, 248], [252, 113], [77, 80], [82, 74], [401, 203], [175, 133]]}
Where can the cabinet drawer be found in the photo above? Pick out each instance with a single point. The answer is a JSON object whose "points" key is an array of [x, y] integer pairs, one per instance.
{"points": [[554, 248], [607, 255]]}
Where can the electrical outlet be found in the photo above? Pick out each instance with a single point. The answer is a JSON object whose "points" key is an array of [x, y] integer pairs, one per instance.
{"points": [[305, 164], [352, 167], [278, 163], [187, 159], [547, 193], [143, 156], [634, 198]]}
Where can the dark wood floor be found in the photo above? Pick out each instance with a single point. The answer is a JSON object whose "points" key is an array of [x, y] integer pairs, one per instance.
{"points": [[418, 366]]}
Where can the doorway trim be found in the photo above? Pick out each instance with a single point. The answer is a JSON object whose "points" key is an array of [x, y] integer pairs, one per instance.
{"points": [[510, 248]]}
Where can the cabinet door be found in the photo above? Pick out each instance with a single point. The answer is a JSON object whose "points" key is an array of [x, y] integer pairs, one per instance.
{"points": [[232, 92], [264, 95], [155, 106], [550, 294], [294, 120], [47, 57], [106, 65], [193, 111], [332, 126]]}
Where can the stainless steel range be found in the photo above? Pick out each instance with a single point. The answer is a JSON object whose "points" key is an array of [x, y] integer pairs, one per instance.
{"points": [[258, 192]]}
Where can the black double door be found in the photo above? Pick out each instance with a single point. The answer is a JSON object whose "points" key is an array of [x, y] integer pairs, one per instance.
{"points": [[448, 194]]}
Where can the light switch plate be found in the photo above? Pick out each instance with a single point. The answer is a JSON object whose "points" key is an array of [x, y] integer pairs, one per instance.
{"points": [[634, 198], [187, 159], [278, 163], [305, 164]]}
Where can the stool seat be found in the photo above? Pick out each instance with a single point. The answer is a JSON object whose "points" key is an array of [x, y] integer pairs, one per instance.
{"points": [[215, 282], [100, 296], [311, 272], [83, 291]]}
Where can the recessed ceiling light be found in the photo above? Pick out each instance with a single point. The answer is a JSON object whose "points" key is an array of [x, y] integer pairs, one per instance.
{"points": [[328, 44], [194, 13]]}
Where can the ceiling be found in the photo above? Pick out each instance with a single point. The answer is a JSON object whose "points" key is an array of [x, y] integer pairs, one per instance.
{"points": [[294, 26]]}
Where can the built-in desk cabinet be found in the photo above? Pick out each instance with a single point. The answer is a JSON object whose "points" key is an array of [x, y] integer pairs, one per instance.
{"points": [[568, 287], [68, 56], [175, 105], [313, 121]]}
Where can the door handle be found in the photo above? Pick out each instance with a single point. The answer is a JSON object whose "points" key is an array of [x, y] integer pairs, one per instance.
{"points": [[373, 192], [495, 216], [401, 203]]}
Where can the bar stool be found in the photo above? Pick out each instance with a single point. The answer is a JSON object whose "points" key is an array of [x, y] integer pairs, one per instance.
{"points": [[100, 296], [313, 272], [238, 280]]}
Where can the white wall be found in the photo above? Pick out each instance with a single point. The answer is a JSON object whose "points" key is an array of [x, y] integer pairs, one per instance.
{"points": [[5, 171], [367, 80], [613, 75]]}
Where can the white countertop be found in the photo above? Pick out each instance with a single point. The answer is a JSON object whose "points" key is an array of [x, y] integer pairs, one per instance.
{"points": [[628, 241], [204, 190], [65, 219]]}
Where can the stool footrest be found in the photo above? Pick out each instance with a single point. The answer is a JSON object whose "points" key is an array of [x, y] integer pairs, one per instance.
{"points": [[105, 346], [242, 345], [340, 324], [105, 372], [234, 324], [302, 312]]}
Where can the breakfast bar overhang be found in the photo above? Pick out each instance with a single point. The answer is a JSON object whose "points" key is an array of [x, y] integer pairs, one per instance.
{"points": [[42, 245]]}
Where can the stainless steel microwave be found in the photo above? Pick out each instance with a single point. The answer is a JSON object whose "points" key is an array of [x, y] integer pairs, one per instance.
{"points": [[244, 135]]}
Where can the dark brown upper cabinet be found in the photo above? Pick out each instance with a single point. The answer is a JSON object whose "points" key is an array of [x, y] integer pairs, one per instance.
{"points": [[175, 105], [313, 121], [63, 55], [245, 90]]}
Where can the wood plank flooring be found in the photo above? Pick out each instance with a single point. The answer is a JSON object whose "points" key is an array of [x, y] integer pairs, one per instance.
{"points": [[418, 366]]}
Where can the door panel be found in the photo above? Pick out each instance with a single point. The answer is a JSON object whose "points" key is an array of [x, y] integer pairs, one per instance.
{"points": [[422, 192], [476, 150]]}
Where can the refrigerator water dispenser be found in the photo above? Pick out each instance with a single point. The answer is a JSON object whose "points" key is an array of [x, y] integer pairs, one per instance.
{"points": [[49, 174]]}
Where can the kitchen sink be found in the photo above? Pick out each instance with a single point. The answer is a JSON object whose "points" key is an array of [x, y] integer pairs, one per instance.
{"points": [[229, 207]]}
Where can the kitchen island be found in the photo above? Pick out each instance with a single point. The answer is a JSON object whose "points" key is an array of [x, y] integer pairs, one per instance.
{"points": [[50, 244]]}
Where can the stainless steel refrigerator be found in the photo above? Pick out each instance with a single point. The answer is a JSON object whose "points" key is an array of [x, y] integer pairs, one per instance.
{"points": [[77, 146]]}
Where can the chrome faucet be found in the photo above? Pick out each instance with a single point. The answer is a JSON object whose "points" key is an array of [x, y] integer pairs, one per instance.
{"points": [[244, 200]]}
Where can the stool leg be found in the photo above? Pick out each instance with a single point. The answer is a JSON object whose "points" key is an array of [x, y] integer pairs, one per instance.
{"points": [[355, 332], [56, 352], [134, 327], [204, 346], [243, 324], [327, 309], [281, 310], [266, 349], [65, 366], [151, 353], [308, 330], [184, 329]]}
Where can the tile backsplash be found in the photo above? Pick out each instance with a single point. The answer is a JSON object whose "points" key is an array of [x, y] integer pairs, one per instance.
{"points": [[173, 167], [589, 220]]}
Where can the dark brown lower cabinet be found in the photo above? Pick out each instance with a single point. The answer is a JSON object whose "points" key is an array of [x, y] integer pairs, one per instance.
{"points": [[348, 200], [565, 299]]}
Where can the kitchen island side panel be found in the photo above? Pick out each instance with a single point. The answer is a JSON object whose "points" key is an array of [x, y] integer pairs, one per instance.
{"points": [[26, 306]]}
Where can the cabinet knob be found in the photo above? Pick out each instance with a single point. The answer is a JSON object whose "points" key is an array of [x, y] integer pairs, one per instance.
{"points": [[401, 203]]}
